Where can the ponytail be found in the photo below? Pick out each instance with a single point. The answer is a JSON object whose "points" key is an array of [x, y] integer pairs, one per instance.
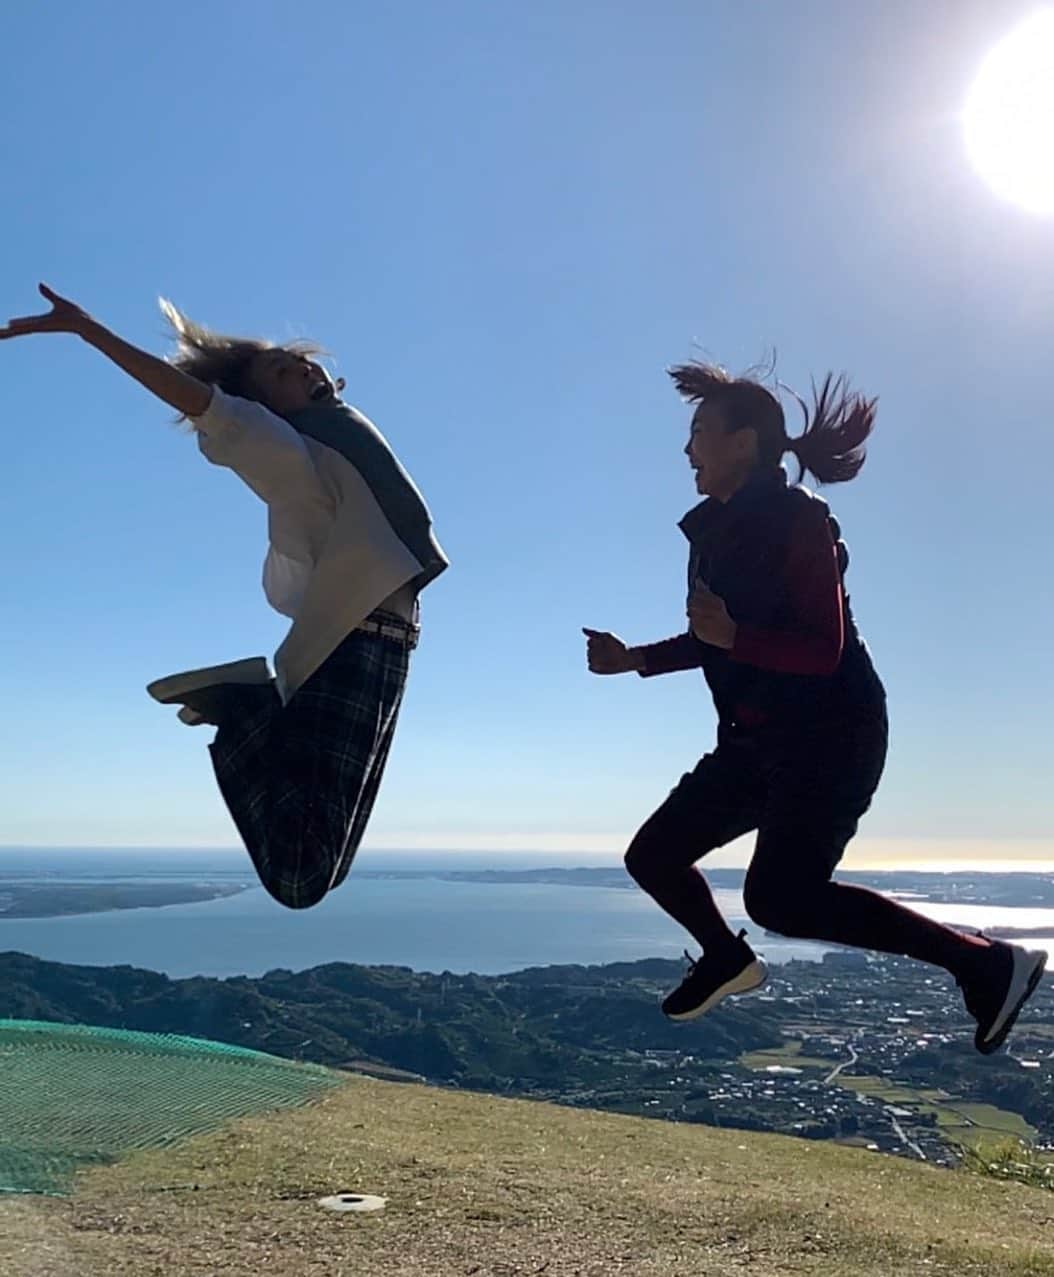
{"points": [[833, 445]]}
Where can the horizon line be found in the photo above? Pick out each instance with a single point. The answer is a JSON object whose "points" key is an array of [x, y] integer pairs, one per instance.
{"points": [[888, 855]]}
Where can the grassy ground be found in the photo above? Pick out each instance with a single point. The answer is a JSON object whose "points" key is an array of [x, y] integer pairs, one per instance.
{"points": [[976, 1124], [483, 1187], [788, 1054], [960, 1122]]}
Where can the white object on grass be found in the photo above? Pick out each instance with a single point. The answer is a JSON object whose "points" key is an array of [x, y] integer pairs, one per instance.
{"points": [[352, 1202]]}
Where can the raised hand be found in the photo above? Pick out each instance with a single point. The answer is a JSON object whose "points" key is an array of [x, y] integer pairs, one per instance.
{"points": [[607, 654], [63, 317], [708, 618]]}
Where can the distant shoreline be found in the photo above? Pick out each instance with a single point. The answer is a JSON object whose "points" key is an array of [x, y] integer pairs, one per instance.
{"points": [[53, 894], [21, 901], [1012, 890]]}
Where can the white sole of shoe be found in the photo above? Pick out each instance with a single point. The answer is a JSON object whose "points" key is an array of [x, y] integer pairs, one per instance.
{"points": [[173, 688], [1025, 976], [749, 980]]}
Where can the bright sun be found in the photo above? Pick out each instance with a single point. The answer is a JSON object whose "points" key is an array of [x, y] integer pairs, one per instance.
{"points": [[1009, 115]]}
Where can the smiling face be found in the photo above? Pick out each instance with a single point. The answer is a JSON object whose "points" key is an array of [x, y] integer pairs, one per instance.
{"points": [[286, 382], [721, 458]]}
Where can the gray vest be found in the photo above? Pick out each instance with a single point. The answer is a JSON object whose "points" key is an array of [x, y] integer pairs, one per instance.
{"points": [[346, 430]]}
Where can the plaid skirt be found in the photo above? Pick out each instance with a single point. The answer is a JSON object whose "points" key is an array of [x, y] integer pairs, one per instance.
{"points": [[300, 780]]}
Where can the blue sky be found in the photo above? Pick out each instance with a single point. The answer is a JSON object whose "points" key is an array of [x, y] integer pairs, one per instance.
{"points": [[505, 221]]}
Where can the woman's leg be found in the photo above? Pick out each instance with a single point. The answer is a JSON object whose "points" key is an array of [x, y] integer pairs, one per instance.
{"points": [[816, 796], [296, 778], [810, 907], [392, 680], [816, 793], [712, 805]]}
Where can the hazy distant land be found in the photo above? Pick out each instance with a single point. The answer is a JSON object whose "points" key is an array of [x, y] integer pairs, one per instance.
{"points": [[1010, 890], [64, 899], [21, 897]]}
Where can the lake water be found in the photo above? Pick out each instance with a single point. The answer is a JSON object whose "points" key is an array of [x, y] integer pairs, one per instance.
{"points": [[425, 923]]}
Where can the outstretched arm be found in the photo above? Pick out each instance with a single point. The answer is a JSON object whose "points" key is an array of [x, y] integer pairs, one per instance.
{"points": [[682, 652], [179, 390], [607, 654]]}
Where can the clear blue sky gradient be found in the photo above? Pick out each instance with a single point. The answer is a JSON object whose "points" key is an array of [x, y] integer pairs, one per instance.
{"points": [[505, 221]]}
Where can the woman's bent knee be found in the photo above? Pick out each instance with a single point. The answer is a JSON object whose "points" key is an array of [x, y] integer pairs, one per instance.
{"points": [[640, 860], [294, 896], [296, 890], [776, 905]]}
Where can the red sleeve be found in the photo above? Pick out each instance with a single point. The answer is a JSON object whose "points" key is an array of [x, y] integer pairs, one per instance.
{"points": [[684, 652], [812, 642]]}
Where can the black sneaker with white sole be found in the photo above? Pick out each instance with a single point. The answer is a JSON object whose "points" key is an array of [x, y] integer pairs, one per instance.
{"points": [[714, 977], [996, 985]]}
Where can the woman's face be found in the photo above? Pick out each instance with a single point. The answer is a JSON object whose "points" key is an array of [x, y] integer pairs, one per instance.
{"points": [[286, 382], [722, 459]]}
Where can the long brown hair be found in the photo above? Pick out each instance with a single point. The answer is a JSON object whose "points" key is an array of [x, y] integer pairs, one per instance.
{"points": [[833, 445], [218, 359]]}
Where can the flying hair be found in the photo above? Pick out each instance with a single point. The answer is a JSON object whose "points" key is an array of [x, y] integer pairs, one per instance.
{"points": [[219, 359], [833, 444]]}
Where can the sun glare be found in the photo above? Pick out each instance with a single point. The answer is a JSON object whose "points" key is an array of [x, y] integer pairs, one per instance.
{"points": [[1009, 117]]}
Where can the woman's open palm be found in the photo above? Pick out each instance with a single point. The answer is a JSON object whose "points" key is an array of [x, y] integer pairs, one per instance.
{"points": [[63, 317]]}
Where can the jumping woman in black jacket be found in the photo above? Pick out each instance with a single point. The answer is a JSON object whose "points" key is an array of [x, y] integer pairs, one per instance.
{"points": [[802, 731]]}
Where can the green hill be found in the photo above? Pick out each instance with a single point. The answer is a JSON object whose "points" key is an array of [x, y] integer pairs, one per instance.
{"points": [[529, 1026], [822, 1052], [486, 1187]]}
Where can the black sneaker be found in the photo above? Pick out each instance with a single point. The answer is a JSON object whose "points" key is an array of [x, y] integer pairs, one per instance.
{"points": [[998, 983], [736, 969], [208, 705]]}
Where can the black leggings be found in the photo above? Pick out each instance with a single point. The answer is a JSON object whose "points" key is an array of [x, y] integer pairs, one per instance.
{"points": [[805, 797]]}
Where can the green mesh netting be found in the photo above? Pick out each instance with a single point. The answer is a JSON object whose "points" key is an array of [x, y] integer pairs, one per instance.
{"points": [[71, 1095]]}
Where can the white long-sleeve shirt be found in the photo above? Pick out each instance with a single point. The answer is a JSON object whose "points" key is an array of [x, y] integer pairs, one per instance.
{"points": [[333, 554]]}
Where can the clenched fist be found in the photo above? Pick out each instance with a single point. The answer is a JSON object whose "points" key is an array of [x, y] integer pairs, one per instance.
{"points": [[607, 654], [708, 619]]}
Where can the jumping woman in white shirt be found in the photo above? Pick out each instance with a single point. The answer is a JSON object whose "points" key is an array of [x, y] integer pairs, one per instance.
{"points": [[298, 757]]}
